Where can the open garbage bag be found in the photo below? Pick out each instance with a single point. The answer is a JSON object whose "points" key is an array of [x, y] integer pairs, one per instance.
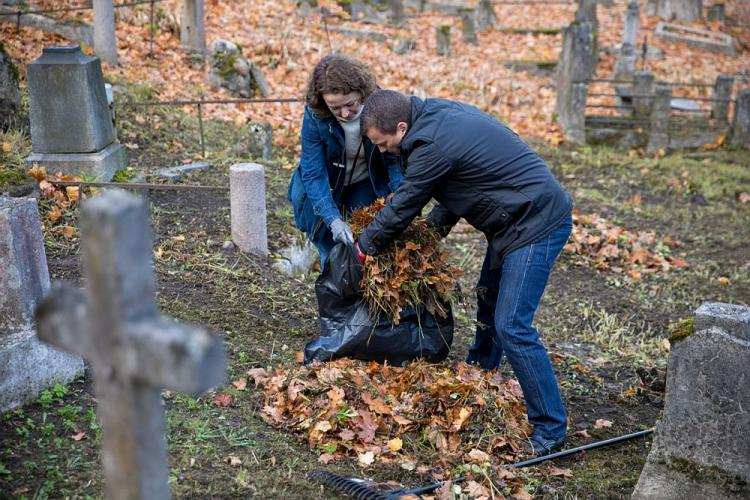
{"points": [[347, 329]]}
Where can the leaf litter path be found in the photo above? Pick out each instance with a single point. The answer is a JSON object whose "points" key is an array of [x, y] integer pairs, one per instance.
{"points": [[286, 46]]}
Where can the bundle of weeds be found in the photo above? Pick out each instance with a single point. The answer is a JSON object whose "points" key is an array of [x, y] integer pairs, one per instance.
{"points": [[411, 271]]}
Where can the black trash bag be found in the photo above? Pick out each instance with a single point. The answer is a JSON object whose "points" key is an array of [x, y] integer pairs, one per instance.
{"points": [[347, 330]]}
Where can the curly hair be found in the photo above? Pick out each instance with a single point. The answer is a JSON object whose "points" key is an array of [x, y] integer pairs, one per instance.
{"points": [[336, 74]]}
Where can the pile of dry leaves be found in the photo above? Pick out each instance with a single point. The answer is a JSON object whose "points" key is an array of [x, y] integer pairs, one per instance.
{"points": [[608, 246], [446, 416], [412, 271], [56, 200]]}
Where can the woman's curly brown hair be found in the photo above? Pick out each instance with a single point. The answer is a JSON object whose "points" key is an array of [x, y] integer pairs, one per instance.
{"points": [[336, 74]]}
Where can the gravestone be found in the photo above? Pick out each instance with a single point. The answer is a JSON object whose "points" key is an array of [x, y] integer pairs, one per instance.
{"points": [[576, 66], [486, 17], [661, 112], [586, 13], [468, 30], [192, 27], [247, 195], [716, 12], [260, 140], [443, 40], [10, 95], [27, 366], [625, 65], [681, 10], [643, 90], [71, 125], [231, 70], [722, 94], [105, 42], [575, 131], [741, 120], [132, 349], [700, 448]]}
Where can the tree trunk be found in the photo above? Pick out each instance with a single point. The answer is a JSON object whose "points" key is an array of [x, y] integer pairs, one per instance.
{"points": [[681, 10]]}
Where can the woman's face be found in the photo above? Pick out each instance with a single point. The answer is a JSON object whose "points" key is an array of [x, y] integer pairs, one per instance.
{"points": [[344, 107]]}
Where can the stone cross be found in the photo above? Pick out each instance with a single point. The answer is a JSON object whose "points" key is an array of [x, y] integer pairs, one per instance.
{"points": [[625, 65], [132, 349], [192, 26], [247, 197], [27, 366], [105, 42], [700, 448]]}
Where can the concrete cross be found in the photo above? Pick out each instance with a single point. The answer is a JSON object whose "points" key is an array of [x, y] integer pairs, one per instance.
{"points": [[133, 350]]}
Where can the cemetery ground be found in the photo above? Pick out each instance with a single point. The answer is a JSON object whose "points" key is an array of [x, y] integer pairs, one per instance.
{"points": [[606, 328]]}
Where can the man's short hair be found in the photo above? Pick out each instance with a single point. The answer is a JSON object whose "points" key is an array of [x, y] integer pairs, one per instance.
{"points": [[383, 110]]}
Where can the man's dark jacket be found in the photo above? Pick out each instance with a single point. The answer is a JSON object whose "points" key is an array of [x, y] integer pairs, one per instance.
{"points": [[476, 168]]}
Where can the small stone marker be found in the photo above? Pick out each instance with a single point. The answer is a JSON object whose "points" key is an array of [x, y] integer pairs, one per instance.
{"points": [[27, 366], [247, 194], [722, 93], [443, 40], [661, 112], [703, 39], [133, 350], [71, 125], [260, 140], [192, 27], [741, 121], [701, 445], [10, 94], [575, 66], [468, 30], [486, 17], [105, 42]]}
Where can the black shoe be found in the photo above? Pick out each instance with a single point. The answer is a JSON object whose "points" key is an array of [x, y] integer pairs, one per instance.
{"points": [[544, 446]]}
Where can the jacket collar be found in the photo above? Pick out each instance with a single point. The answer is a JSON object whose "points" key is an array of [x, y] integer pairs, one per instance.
{"points": [[417, 107]]}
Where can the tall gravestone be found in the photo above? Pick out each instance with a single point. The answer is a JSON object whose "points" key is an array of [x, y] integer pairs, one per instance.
{"points": [[27, 366], [576, 66], [192, 26], [702, 445], [71, 125], [133, 350], [625, 65], [741, 120], [105, 42], [661, 112]]}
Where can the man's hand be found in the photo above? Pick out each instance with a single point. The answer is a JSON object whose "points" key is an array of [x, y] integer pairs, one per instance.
{"points": [[342, 232], [360, 255]]}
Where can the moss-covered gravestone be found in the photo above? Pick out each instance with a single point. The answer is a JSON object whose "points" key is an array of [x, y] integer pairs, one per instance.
{"points": [[702, 443], [10, 96]]}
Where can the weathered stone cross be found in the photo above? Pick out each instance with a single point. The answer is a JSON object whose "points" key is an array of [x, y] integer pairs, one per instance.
{"points": [[132, 349]]}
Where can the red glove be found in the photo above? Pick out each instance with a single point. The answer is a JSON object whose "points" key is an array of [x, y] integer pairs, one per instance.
{"points": [[360, 255]]}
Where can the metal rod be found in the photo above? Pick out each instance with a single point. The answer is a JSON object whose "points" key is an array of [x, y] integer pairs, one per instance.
{"points": [[533, 461], [20, 13], [200, 125], [126, 185], [151, 30], [208, 101], [608, 106]]}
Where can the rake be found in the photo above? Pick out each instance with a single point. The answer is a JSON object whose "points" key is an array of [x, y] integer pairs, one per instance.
{"points": [[363, 489]]}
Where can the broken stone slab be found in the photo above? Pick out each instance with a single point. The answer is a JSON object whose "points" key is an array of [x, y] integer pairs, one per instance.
{"points": [[70, 30], [296, 259], [175, 174], [682, 104], [359, 34], [701, 444], [703, 39]]}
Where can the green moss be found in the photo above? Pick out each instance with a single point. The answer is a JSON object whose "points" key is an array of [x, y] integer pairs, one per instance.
{"points": [[123, 175], [712, 474], [12, 177], [13, 67], [226, 64], [445, 29], [680, 330]]}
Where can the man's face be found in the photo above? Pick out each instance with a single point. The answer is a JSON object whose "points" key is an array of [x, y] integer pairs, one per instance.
{"points": [[344, 107], [388, 142]]}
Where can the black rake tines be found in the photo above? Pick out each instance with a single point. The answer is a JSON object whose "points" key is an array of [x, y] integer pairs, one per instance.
{"points": [[357, 488]]}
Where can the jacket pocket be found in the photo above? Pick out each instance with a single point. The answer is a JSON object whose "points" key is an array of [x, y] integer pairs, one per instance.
{"points": [[489, 217]]}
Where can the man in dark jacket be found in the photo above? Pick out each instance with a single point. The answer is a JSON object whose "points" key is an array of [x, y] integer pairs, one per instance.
{"points": [[477, 168]]}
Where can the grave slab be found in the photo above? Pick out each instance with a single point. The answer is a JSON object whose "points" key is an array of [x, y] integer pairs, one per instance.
{"points": [[102, 165], [704, 39]]}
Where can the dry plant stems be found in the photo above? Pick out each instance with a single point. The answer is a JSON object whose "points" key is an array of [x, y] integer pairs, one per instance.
{"points": [[411, 271]]}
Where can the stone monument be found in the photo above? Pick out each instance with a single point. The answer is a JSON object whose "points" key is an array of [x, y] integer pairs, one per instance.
{"points": [[247, 194], [27, 366], [71, 125], [701, 447], [133, 350]]}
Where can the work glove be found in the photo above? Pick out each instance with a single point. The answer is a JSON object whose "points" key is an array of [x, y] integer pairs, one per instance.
{"points": [[342, 232]]}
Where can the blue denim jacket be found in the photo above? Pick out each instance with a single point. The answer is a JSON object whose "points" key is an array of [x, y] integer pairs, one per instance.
{"points": [[318, 181]]}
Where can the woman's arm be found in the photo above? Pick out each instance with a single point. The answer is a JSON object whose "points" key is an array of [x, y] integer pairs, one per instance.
{"points": [[314, 172]]}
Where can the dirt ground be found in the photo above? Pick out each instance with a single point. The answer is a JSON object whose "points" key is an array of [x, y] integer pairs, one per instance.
{"points": [[606, 331]]}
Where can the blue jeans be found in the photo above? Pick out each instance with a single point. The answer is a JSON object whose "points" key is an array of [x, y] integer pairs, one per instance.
{"points": [[507, 299], [357, 195]]}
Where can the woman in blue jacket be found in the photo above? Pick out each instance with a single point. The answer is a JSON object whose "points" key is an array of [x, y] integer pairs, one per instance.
{"points": [[339, 169]]}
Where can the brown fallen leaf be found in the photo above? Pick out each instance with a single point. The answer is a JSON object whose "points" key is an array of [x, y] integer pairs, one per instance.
{"points": [[326, 458], [602, 423], [78, 437], [233, 461], [222, 400], [558, 471], [395, 444], [366, 458], [240, 384], [478, 456]]}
